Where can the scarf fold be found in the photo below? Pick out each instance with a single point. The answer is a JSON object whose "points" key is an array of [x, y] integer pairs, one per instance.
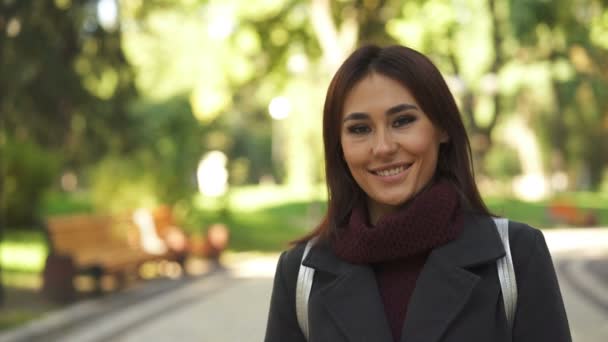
{"points": [[432, 218], [398, 245]]}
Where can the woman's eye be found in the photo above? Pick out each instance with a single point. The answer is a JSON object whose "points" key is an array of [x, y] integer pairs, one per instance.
{"points": [[404, 120], [358, 129]]}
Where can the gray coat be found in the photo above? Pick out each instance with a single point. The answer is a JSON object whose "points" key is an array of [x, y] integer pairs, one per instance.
{"points": [[457, 296]]}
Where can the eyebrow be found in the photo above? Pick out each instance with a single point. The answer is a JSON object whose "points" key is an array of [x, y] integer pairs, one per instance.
{"points": [[391, 111]]}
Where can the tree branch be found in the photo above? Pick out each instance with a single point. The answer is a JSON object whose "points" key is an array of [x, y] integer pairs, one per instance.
{"points": [[335, 44], [497, 63]]}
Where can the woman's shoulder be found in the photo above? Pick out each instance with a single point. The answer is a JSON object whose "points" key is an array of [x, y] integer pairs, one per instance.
{"points": [[290, 261], [528, 246], [521, 235], [524, 236], [288, 266], [292, 257]]}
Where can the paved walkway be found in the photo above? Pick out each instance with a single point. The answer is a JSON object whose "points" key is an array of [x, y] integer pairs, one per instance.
{"points": [[232, 305], [578, 254]]}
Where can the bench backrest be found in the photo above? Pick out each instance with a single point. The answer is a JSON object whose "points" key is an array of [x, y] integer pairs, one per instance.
{"points": [[75, 233]]}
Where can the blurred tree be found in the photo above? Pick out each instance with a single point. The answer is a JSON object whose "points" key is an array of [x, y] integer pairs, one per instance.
{"points": [[65, 83], [176, 79], [466, 41], [570, 38], [234, 58], [65, 87], [537, 64]]}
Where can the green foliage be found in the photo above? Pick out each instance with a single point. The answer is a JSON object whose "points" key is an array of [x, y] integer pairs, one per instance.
{"points": [[566, 34], [170, 144], [181, 78], [120, 184], [64, 203], [28, 170], [604, 185], [251, 157], [65, 82], [502, 162]]}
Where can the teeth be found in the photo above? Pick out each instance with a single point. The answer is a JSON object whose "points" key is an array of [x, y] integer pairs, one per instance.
{"points": [[391, 172]]}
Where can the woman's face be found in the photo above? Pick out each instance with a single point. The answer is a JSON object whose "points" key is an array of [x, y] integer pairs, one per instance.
{"points": [[389, 143]]}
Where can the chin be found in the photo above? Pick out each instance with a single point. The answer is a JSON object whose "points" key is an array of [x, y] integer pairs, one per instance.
{"points": [[395, 202]]}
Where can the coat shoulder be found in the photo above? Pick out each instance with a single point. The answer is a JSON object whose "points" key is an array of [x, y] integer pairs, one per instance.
{"points": [[541, 315], [523, 237], [289, 264], [526, 242], [282, 322], [292, 257]]}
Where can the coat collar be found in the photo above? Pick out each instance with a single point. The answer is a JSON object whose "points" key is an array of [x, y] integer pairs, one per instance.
{"points": [[442, 289]]}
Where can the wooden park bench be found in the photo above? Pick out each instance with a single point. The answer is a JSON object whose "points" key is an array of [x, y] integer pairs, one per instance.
{"points": [[96, 245]]}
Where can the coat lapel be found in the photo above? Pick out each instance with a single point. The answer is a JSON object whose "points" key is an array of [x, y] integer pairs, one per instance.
{"points": [[445, 284], [442, 289], [352, 298], [440, 294]]}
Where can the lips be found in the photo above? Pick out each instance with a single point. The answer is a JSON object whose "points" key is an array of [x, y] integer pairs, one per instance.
{"points": [[390, 170]]}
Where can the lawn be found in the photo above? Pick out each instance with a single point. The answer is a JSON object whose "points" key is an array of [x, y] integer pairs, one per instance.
{"points": [[536, 213], [22, 253]]}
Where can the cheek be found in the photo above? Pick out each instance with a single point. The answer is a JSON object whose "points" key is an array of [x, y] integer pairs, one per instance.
{"points": [[424, 145], [347, 149], [354, 154]]}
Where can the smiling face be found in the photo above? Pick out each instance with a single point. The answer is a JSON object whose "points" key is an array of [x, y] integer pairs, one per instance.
{"points": [[389, 144]]}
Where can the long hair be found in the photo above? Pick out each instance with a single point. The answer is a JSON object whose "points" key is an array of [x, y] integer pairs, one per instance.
{"points": [[420, 76]]}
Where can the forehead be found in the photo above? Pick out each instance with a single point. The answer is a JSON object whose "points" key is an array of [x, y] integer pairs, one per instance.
{"points": [[376, 92]]}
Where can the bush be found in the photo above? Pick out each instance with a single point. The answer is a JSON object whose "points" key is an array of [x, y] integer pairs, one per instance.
{"points": [[119, 184], [502, 163], [28, 171]]}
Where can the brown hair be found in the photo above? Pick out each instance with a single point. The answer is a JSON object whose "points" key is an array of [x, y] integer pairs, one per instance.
{"points": [[420, 76]]}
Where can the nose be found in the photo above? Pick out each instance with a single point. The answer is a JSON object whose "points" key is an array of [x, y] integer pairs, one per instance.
{"points": [[384, 144]]}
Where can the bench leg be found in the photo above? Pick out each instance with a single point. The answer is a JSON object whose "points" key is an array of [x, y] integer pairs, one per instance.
{"points": [[121, 280], [57, 277], [97, 273]]}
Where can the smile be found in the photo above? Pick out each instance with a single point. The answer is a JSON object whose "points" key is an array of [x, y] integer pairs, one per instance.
{"points": [[391, 171]]}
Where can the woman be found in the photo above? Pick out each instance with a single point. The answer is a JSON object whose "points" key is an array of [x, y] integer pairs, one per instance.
{"points": [[407, 250]]}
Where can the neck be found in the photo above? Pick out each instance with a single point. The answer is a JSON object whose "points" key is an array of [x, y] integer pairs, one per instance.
{"points": [[377, 210]]}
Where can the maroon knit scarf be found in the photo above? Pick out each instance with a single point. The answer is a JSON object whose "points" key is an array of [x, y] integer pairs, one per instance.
{"points": [[398, 245]]}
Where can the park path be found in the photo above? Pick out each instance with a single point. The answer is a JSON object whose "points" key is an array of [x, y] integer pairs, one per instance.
{"points": [[232, 304]]}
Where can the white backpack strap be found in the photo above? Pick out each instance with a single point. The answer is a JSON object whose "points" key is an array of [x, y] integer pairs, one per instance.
{"points": [[506, 272], [303, 286]]}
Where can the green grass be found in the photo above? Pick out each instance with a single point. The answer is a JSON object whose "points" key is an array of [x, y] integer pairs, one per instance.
{"points": [[270, 229], [23, 251], [531, 213], [267, 225], [17, 317], [536, 213], [22, 257], [262, 218]]}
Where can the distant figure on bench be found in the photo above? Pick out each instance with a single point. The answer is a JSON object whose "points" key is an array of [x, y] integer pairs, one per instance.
{"points": [[158, 234], [149, 240]]}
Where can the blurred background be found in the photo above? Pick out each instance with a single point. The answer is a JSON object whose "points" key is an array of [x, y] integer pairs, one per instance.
{"points": [[168, 133]]}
